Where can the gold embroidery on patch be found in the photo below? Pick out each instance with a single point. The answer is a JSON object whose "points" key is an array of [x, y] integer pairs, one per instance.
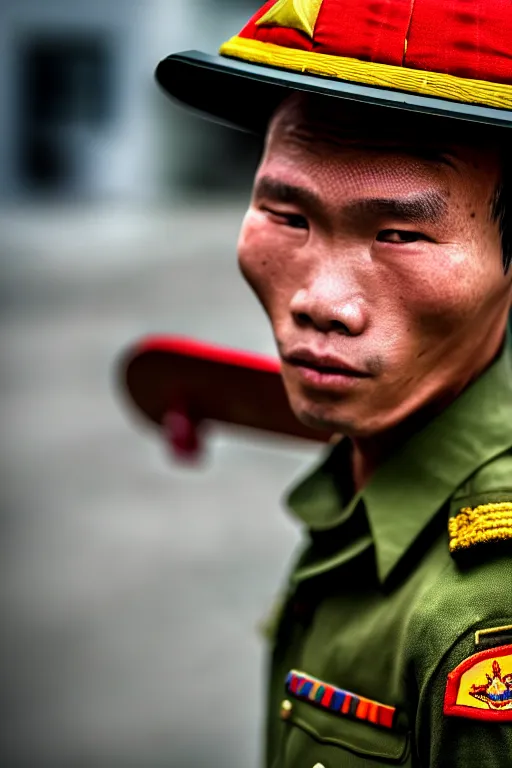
{"points": [[479, 525], [482, 690]]}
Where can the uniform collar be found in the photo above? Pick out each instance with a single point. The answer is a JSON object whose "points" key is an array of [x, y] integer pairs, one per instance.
{"points": [[407, 490]]}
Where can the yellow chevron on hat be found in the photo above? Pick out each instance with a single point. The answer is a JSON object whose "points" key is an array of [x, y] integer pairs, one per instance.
{"points": [[293, 14]]}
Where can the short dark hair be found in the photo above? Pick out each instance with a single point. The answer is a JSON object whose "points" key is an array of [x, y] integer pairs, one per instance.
{"points": [[501, 210]]}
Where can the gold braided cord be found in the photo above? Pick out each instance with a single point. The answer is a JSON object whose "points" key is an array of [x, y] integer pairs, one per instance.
{"points": [[369, 73], [479, 525]]}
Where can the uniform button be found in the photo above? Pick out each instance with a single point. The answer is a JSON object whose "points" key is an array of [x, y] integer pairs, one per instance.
{"points": [[286, 709]]}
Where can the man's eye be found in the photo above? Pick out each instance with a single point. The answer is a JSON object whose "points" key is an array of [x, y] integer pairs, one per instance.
{"points": [[294, 220], [399, 236]]}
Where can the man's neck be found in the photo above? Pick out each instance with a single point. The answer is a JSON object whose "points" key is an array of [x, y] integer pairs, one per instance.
{"points": [[368, 453]]}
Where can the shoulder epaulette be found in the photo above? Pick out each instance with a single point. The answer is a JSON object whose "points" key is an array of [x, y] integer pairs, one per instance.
{"points": [[484, 524]]}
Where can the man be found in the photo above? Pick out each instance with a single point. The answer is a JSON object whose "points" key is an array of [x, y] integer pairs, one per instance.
{"points": [[377, 241]]}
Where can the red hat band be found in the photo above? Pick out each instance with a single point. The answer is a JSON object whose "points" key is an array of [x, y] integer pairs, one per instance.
{"points": [[452, 49]]}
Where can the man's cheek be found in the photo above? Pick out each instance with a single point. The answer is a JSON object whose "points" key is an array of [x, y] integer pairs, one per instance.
{"points": [[263, 264], [443, 293], [249, 247], [258, 269], [262, 276]]}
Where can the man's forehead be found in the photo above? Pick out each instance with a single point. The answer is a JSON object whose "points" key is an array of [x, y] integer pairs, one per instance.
{"points": [[311, 119]]}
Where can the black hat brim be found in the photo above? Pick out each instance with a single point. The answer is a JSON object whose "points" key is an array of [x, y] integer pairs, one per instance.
{"points": [[244, 95]]}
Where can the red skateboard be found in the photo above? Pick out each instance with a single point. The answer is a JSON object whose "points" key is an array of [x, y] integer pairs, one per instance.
{"points": [[178, 384]]}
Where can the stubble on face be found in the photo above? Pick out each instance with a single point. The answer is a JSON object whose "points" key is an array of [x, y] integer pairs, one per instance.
{"points": [[422, 319]]}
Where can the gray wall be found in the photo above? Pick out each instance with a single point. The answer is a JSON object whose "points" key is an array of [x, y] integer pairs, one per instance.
{"points": [[131, 587], [146, 146]]}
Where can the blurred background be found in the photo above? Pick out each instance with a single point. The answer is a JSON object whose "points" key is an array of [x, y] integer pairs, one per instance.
{"points": [[131, 588]]}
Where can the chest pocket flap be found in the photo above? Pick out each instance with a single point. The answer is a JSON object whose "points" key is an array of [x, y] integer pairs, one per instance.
{"points": [[312, 735]]}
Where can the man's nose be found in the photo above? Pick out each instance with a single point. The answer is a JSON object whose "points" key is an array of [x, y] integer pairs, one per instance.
{"points": [[327, 307]]}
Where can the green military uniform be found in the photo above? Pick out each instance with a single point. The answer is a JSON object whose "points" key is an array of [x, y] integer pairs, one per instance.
{"points": [[394, 645], [379, 606]]}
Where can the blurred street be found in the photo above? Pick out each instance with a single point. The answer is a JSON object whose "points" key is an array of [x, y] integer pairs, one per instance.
{"points": [[131, 587]]}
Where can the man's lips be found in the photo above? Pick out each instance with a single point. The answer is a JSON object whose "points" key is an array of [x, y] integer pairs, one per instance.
{"points": [[323, 364]]}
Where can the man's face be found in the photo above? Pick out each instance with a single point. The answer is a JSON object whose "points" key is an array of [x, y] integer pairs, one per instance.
{"points": [[373, 251]]}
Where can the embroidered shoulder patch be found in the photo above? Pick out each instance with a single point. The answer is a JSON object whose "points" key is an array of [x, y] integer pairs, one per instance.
{"points": [[480, 525], [481, 687]]}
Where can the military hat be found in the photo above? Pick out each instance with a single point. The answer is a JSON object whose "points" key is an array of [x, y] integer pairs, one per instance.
{"points": [[445, 58]]}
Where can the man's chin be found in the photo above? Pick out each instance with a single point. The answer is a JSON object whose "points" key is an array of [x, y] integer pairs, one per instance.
{"points": [[323, 417]]}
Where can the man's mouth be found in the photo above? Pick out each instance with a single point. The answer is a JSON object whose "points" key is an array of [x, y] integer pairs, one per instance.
{"points": [[324, 371], [324, 364]]}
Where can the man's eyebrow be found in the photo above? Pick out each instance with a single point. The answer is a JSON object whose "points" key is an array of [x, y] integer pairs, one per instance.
{"points": [[282, 192], [426, 207]]}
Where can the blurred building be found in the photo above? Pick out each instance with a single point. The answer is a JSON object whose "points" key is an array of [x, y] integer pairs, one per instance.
{"points": [[130, 586], [80, 116]]}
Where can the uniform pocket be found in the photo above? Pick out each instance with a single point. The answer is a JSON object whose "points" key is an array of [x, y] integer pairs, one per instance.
{"points": [[314, 736]]}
